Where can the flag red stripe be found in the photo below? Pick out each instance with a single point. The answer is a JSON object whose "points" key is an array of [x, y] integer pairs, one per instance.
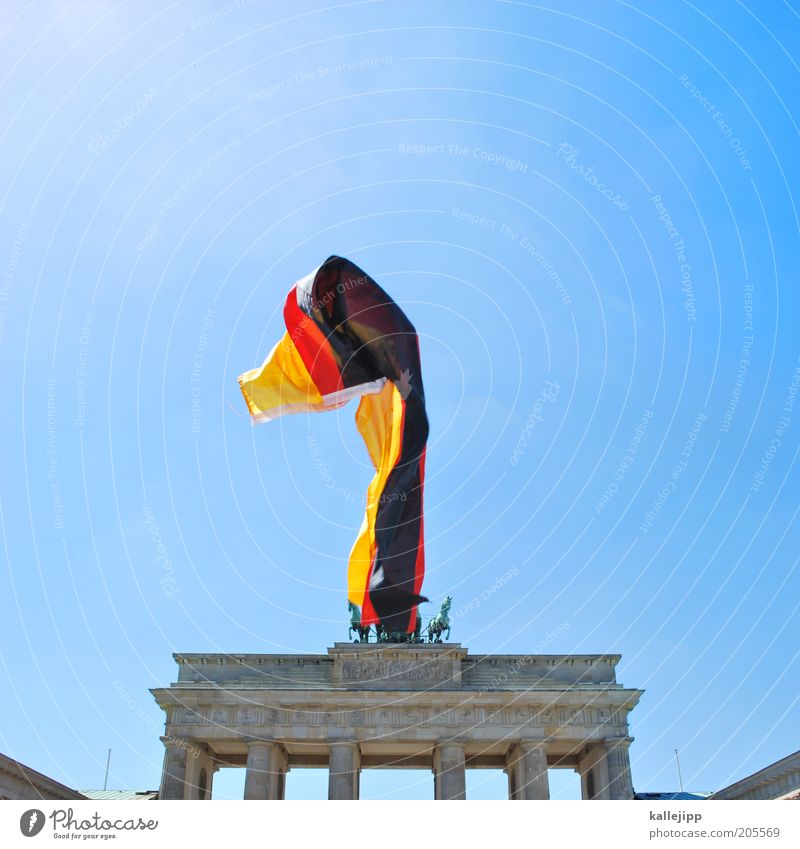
{"points": [[312, 346]]}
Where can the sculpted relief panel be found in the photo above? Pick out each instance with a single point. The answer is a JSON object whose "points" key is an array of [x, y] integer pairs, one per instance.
{"points": [[394, 671], [255, 719]]}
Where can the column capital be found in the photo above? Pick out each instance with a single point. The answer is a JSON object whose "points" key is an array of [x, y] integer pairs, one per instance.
{"points": [[617, 742], [253, 741], [172, 741], [455, 742], [264, 744], [532, 743]]}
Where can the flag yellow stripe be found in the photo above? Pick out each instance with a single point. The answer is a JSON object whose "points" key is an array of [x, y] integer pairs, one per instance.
{"points": [[379, 419], [281, 385]]}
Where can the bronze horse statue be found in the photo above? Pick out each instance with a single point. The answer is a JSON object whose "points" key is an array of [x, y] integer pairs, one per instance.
{"points": [[355, 624], [440, 623], [381, 634]]}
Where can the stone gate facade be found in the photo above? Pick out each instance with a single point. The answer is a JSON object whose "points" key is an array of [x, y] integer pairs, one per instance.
{"points": [[364, 706]]}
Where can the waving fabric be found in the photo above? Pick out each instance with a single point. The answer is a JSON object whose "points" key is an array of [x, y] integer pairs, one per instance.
{"points": [[346, 338]]}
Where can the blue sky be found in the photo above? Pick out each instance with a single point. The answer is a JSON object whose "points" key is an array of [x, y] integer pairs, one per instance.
{"points": [[588, 213]]}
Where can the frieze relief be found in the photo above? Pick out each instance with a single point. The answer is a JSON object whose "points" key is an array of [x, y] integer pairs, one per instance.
{"points": [[395, 670], [457, 716], [248, 716]]}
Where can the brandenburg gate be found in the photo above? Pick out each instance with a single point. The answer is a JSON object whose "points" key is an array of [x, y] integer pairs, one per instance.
{"points": [[367, 706]]}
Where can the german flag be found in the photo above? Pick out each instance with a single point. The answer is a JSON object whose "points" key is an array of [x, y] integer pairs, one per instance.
{"points": [[346, 338]]}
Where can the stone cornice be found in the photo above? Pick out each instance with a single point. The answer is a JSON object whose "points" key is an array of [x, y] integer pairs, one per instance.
{"points": [[241, 696], [253, 658], [44, 786], [425, 666], [770, 774]]}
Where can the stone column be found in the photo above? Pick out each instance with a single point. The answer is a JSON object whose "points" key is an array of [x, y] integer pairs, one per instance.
{"points": [[173, 774], [200, 769], [344, 768], [511, 774], [281, 767], [266, 770], [619, 768], [593, 769], [606, 771], [449, 771], [512, 770], [282, 781], [526, 766]]}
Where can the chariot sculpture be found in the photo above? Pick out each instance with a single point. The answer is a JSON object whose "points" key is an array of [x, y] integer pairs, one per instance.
{"points": [[438, 625]]}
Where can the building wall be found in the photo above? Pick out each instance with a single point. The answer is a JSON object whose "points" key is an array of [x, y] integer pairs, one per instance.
{"points": [[18, 781]]}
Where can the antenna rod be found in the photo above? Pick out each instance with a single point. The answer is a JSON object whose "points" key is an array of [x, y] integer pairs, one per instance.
{"points": [[108, 764], [677, 762]]}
